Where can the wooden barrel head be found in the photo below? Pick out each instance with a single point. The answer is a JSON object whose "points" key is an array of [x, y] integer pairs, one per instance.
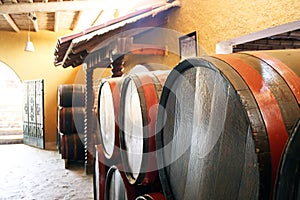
{"points": [[210, 152], [138, 109], [106, 119], [108, 115], [117, 187], [287, 185], [133, 129]]}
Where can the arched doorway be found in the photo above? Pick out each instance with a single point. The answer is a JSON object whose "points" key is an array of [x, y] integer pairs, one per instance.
{"points": [[11, 98]]}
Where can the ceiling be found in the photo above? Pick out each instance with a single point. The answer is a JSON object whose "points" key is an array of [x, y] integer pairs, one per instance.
{"points": [[287, 40], [56, 15]]}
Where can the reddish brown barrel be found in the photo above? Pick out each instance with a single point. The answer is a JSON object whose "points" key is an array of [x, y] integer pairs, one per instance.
{"points": [[117, 186], [152, 196], [71, 120], [71, 95], [108, 115], [99, 173], [72, 148], [225, 121], [287, 184], [138, 108]]}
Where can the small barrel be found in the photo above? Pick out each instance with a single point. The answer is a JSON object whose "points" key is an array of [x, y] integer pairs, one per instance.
{"points": [[117, 186], [108, 118], [72, 148], [225, 120], [71, 95], [138, 109], [99, 173], [287, 184], [71, 120], [152, 196]]}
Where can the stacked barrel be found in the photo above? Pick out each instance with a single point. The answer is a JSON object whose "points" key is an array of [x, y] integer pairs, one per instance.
{"points": [[70, 122], [215, 127], [127, 109]]}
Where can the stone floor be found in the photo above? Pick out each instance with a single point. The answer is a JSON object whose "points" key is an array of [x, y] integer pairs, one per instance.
{"points": [[30, 173]]}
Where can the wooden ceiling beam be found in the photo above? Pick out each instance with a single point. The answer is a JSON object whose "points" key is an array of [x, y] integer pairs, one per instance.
{"points": [[11, 22], [56, 18], [53, 6], [56, 21], [76, 20]]}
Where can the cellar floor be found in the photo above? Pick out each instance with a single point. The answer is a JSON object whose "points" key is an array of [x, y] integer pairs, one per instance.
{"points": [[34, 174]]}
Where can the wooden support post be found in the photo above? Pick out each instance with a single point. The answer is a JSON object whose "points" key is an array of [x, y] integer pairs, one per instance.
{"points": [[89, 117], [118, 66]]}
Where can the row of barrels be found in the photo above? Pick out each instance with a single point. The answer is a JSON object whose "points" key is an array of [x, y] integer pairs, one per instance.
{"points": [[116, 175], [215, 127], [70, 122]]}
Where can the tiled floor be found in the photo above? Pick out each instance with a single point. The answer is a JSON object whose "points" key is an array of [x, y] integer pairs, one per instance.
{"points": [[30, 173]]}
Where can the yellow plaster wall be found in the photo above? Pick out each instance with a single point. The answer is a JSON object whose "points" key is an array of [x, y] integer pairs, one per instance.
{"points": [[217, 20], [38, 65], [214, 21]]}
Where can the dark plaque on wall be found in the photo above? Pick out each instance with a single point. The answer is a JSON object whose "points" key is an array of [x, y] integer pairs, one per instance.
{"points": [[188, 45]]}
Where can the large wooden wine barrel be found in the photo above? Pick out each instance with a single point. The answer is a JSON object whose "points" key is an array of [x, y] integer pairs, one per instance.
{"points": [[71, 95], [152, 196], [138, 109], [117, 186], [224, 123], [287, 184], [108, 118], [71, 120]]}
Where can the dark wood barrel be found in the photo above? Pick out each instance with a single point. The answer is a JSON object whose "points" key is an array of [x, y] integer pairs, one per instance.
{"points": [[100, 171], [224, 122], [71, 120], [108, 118], [288, 180], [71, 95], [117, 186], [72, 148], [152, 196], [138, 109]]}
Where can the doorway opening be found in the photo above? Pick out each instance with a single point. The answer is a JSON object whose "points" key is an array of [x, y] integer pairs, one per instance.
{"points": [[11, 104]]}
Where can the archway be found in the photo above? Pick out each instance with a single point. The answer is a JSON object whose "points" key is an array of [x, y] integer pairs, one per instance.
{"points": [[11, 90]]}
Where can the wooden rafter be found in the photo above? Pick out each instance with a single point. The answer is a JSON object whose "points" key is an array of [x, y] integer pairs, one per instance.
{"points": [[11, 22], [97, 18], [56, 21], [76, 20], [56, 17], [52, 6]]}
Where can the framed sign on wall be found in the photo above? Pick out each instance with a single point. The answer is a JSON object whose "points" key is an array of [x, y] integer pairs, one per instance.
{"points": [[188, 45]]}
